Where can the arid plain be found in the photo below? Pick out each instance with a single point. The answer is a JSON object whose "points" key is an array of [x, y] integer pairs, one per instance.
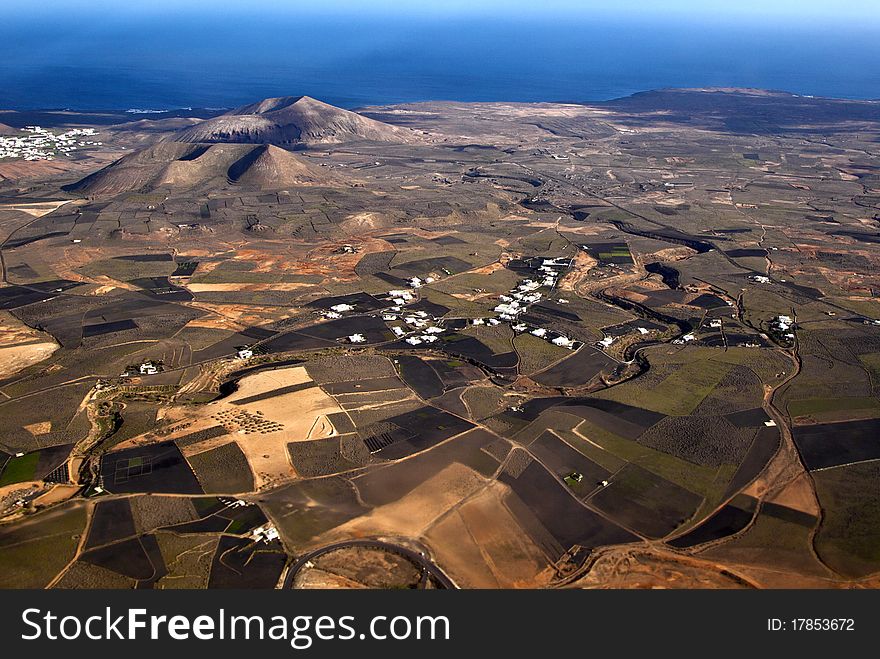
{"points": [[621, 345]]}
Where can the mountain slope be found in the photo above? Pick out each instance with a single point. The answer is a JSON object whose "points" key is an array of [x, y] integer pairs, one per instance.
{"points": [[182, 166], [290, 121]]}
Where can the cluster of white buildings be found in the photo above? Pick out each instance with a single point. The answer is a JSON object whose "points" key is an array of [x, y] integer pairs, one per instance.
{"points": [[265, 533], [40, 144], [608, 340], [419, 328], [418, 282], [527, 293], [400, 298], [337, 310], [783, 325], [428, 332], [148, 367]]}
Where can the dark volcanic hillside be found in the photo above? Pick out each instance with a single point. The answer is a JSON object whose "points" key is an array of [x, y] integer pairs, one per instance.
{"points": [[183, 166], [290, 121], [744, 111]]}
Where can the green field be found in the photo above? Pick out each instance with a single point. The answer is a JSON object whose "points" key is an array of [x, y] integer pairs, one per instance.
{"points": [[614, 253], [499, 339], [702, 480], [223, 469], [601, 457], [20, 470], [126, 270], [536, 354], [849, 537], [677, 394], [31, 555]]}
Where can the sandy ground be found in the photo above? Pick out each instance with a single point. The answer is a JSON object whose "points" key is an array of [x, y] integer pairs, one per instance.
{"points": [[213, 288], [360, 222], [266, 381], [316, 578], [582, 264], [670, 254], [15, 358], [104, 290], [21, 346], [57, 494], [233, 316], [487, 269], [798, 495], [39, 428], [648, 567], [481, 545], [36, 209], [411, 515], [13, 332], [264, 428]]}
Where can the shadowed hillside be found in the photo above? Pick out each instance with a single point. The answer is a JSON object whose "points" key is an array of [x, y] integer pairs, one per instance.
{"points": [[182, 166]]}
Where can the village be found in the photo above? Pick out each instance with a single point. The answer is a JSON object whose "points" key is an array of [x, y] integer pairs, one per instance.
{"points": [[418, 328], [41, 144]]}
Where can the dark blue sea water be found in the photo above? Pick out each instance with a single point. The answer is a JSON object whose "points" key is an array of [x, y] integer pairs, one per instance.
{"points": [[202, 60]]}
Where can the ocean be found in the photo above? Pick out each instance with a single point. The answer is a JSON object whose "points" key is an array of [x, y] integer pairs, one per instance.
{"points": [[220, 61]]}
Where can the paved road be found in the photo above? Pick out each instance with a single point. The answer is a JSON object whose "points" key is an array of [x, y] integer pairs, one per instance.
{"points": [[428, 568]]}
